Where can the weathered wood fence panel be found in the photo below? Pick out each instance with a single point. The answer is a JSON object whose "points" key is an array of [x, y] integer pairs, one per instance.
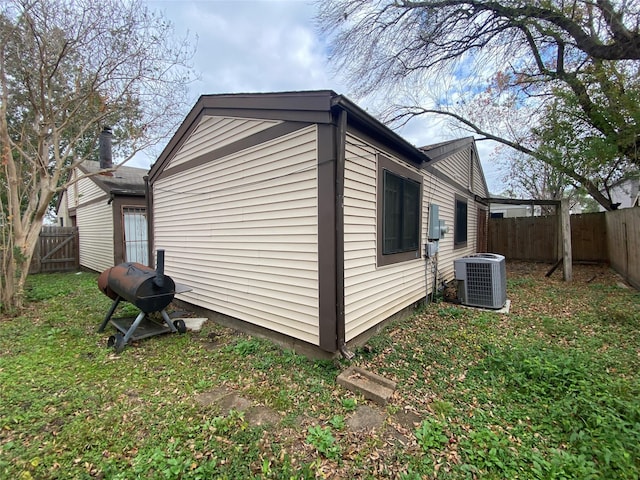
{"points": [[589, 237], [623, 230], [531, 239], [56, 250], [535, 239]]}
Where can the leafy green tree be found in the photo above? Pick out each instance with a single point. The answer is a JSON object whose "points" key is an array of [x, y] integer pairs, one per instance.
{"points": [[554, 80], [67, 69]]}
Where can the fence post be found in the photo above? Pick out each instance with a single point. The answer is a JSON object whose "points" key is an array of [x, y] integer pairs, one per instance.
{"points": [[565, 232]]}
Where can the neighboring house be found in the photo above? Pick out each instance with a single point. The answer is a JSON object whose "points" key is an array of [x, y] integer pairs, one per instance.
{"points": [[300, 216], [509, 211], [110, 212], [504, 210], [625, 193]]}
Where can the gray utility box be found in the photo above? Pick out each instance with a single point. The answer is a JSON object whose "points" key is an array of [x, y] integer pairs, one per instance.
{"points": [[437, 227]]}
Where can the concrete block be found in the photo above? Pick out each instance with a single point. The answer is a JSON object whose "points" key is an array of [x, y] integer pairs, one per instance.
{"points": [[374, 387], [194, 324]]}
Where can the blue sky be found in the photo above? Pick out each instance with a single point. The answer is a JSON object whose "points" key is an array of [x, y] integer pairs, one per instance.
{"points": [[271, 45]]}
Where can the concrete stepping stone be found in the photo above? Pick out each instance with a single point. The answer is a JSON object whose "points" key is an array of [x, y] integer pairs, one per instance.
{"points": [[366, 418], [372, 386]]}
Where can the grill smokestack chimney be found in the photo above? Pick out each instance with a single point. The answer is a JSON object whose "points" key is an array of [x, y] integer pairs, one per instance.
{"points": [[159, 280], [104, 143]]}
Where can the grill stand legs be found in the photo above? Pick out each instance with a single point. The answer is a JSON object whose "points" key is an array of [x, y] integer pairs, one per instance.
{"points": [[132, 328], [118, 341], [114, 305]]}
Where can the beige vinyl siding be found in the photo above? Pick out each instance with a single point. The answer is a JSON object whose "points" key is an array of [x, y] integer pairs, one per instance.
{"points": [[95, 227], [479, 184], [457, 167], [242, 232], [215, 132], [372, 293], [444, 194]]}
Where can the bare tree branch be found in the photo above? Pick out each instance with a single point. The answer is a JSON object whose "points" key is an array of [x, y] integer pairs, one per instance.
{"points": [[573, 67]]}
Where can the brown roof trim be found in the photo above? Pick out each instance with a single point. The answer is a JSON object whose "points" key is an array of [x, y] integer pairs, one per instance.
{"points": [[104, 198], [182, 134], [309, 106], [363, 121], [443, 150], [438, 151], [316, 106], [386, 144], [302, 101], [252, 140]]}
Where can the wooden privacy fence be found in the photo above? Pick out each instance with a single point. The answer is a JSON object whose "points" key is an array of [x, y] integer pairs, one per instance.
{"points": [[56, 251], [623, 230], [535, 239], [611, 237]]}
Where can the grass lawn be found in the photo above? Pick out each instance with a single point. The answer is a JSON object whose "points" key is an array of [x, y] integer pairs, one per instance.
{"points": [[550, 391]]}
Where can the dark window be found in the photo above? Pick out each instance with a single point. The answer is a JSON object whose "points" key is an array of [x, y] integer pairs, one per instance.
{"points": [[460, 227], [401, 216]]}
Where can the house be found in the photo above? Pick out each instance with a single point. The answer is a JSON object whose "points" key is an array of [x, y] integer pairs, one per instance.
{"points": [[110, 211], [299, 216], [625, 193], [505, 210]]}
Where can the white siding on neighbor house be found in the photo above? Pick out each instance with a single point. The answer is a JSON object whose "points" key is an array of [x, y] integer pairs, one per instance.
{"points": [[95, 227], [242, 232], [215, 132], [374, 293], [88, 190], [62, 215], [72, 192]]}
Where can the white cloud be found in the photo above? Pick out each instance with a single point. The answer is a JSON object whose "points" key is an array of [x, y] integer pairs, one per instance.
{"points": [[251, 46], [268, 45]]}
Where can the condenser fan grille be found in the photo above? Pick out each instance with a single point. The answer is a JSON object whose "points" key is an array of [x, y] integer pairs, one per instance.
{"points": [[479, 284]]}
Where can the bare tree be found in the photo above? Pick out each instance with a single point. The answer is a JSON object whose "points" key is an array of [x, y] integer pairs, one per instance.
{"points": [[573, 67], [67, 69], [527, 177]]}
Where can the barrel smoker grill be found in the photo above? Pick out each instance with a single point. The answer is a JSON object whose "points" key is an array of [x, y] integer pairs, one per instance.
{"points": [[149, 290]]}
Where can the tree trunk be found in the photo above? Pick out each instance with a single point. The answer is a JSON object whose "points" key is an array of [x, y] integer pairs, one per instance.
{"points": [[8, 283], [15, 269]]}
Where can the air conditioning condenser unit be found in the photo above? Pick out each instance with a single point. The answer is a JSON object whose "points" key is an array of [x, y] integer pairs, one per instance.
{"points": [[482, 280]]}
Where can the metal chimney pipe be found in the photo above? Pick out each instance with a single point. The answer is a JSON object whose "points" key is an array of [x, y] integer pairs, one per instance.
{"points": [[159, 280], [104, 143]]}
